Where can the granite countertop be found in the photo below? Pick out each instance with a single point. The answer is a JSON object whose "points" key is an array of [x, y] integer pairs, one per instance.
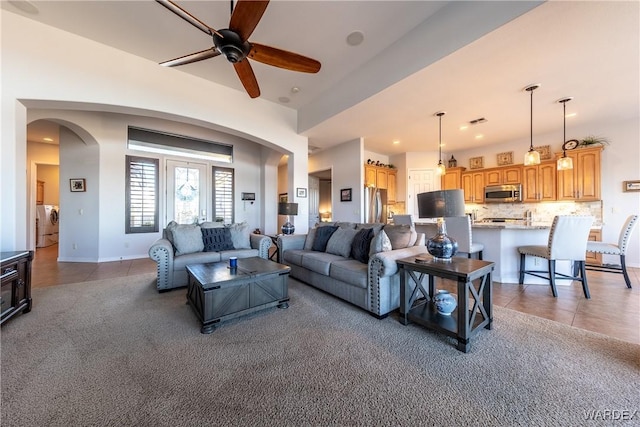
{"points": [[520, 225]]}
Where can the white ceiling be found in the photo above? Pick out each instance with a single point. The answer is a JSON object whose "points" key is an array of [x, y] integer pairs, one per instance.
{"points": [[470, 59]]}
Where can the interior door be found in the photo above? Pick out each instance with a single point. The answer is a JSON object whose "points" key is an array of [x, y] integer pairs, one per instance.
{"points": [[187, 192], [420, 181], [314, 201]]}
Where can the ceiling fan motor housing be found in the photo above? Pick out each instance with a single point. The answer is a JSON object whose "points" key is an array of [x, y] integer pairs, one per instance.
{"points": [[231, 45]]}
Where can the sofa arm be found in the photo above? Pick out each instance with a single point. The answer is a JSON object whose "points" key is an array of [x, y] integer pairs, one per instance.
{"points": [[262, 243], [383, 264], [162, 253], [289, 242]]}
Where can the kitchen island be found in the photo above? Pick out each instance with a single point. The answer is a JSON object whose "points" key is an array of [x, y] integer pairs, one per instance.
{"points": [[501, 241]]}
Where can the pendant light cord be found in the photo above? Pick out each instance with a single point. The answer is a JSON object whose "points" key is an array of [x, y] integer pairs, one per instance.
{"points": [[531, 122]]}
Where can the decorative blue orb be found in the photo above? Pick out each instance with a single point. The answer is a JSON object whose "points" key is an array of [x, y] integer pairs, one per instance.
{"points": [[445, 302]]}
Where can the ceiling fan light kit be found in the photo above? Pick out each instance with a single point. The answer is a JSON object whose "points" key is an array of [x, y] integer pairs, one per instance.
{"points": [[234, 44]]}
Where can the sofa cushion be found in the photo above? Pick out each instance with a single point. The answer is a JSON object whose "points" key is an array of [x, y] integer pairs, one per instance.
{"points": [[350, 271], [340, 242], [375, 226], [293, 256], [323, 234], [320, 262], [401, 235], [187, 238], [308, 242], [380, 243], [240, 253], [211, 224], [351, 225], [216, 239], [240, 235], [361, 245], [179, 263]]}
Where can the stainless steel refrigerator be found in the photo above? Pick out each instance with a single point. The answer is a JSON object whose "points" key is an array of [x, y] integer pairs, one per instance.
{"points": [[375, 204]]}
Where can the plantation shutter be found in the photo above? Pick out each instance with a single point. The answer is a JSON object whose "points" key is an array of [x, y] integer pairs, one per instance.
{"points": [[141, 195], [223, 195]]}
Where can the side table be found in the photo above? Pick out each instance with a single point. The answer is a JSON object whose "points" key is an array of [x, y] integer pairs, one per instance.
{"points": [[274, 240], [463, 323]]}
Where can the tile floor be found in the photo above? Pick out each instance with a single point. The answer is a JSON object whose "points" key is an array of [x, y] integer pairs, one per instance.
{"points": [[613, 309]]}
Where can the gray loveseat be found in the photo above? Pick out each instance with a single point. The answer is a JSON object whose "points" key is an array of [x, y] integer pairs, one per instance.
{"points": [[207, 242], [371, 282]]}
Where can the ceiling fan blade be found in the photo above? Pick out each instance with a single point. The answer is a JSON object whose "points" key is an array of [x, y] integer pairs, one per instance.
{"points": [[248, 79], [246, 16], [188, 17], [192, 57], [283, 59]]}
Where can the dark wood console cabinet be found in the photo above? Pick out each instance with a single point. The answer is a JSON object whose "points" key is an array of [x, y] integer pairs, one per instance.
{"points": [[16, 283]]}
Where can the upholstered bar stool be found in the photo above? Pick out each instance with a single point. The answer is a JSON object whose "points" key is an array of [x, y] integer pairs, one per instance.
{"points": [[612, 249], [567, 241], [459, 228], [402, 219]]}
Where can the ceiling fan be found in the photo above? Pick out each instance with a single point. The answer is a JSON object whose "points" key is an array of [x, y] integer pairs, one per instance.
{"points": [[234, 43]]}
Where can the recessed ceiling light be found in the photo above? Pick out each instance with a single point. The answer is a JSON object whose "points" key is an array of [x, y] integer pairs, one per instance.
{"points": [[295, 89], [464, 127], [25, 6], [396, 142], [47, 139], [568, 116], [284, 99], [355, 38], [479, 136]]}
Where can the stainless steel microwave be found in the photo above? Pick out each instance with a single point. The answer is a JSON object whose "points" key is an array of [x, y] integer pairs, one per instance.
{"points": [[511, 193]]}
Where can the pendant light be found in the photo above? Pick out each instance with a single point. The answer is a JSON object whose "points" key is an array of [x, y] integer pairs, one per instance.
{"points": [[532, 157], [441, 170], [564, 162]]}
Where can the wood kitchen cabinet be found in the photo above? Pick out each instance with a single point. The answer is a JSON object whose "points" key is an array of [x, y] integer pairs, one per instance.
{"points": [[451, 179], [391, 186], [503, 175], [591, 257], [583, 181], [473, 186], [539, 182], [369, 176], [382, 178]]}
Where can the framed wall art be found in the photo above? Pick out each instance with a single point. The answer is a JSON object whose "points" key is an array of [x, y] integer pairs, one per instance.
{"points": [[283, 197], [476, 162], [505, 158], [301, 192], [631, 186], [345, 195], [77, 185], [544, 150]]}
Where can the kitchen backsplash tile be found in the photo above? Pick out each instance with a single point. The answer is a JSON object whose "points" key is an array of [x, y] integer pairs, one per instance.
{"points": [[540, 212]]}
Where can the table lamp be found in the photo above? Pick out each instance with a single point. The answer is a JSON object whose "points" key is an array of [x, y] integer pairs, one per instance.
{"points": [[288, 209], [441, 204]]}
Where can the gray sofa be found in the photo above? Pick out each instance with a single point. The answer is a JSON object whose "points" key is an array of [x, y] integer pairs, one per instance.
{"points": [[373, 286], [173, 252]]}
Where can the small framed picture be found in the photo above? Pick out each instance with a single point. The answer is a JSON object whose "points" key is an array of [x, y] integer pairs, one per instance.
{"points": [[301, 192], [283, 197], [476, 162], [77, 185], [544, 150], [345, 195], [631, 186], [505, 158]]}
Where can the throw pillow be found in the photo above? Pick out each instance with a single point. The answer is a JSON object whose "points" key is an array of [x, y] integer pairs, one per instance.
{"points": [[187, 238], [211, 224], [401, 235], [240, 235], [168, 231], [217, 239], [308, 242], [340, 242], [323, 234], [361, 244], [380, 243]]}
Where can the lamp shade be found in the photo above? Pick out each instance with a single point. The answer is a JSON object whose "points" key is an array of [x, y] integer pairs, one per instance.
{"points": [[440, 204], [287, 208]]}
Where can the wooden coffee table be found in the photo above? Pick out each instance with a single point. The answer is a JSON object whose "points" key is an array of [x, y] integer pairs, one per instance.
{"points": [[216, 293]]}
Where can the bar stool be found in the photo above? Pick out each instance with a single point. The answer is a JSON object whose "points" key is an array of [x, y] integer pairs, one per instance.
{"points": [[459, 228], [612, 249], [402, 219], [567, 241]]}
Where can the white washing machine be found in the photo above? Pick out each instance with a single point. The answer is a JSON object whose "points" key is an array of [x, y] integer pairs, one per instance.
{"points": [[47, 218]]}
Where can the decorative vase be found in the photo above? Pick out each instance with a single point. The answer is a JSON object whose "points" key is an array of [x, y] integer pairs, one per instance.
{"points": [[445, 302]]}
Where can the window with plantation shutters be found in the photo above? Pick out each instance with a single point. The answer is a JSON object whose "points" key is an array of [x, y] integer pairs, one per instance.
{"points": [[141, 195], [223, 195]]}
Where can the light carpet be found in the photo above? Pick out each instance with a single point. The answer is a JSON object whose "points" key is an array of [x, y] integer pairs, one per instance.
{"points": [[116, 352]]}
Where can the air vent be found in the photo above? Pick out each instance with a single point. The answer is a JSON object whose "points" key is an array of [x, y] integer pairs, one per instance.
{"points": [[312, 149], [478, 121]]}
